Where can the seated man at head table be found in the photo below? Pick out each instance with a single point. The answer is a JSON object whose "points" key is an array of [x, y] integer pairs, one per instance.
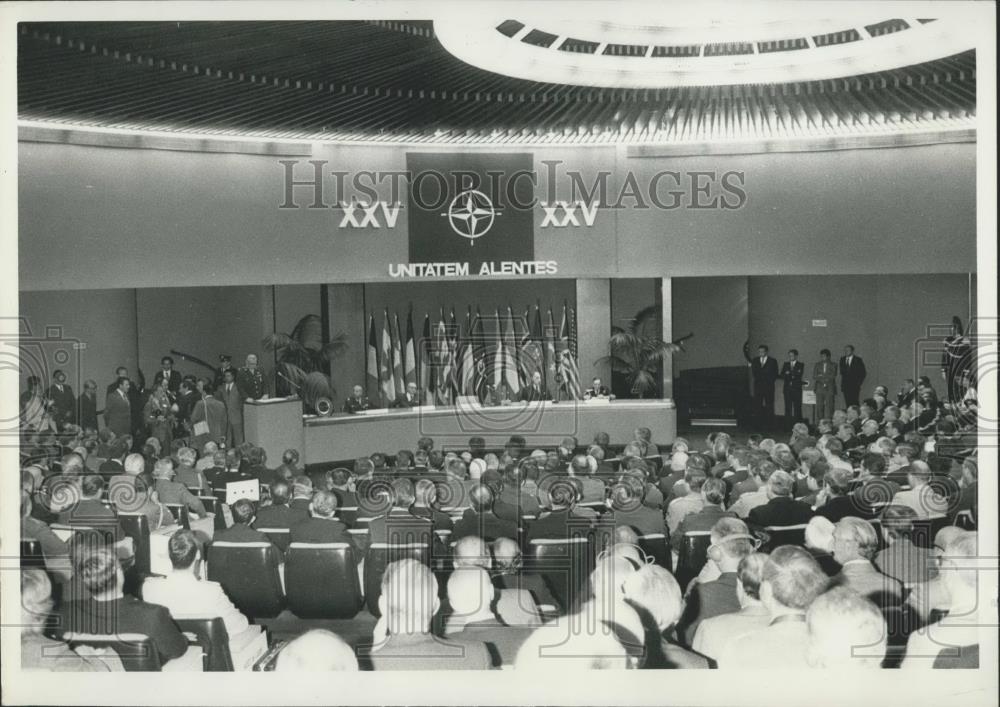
{"points": [[358, 402]]}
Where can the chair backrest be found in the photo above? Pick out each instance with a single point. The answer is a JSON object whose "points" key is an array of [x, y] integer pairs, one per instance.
{"points": [[657, 546], [180, 513], [692, 556], [349, 515], [136, 650], [136, 526], [281, 537], [779, 535], [380, 556], [924, 530], [565, 564], [31, 553], [321, 580], [965, 520], [209, 502], [248, 572], [212, 636]]}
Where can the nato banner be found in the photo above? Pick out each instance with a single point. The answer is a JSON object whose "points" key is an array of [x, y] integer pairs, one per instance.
{"points": [[471, 210]]}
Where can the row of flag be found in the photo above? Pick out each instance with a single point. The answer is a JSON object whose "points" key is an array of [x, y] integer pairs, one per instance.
{"points": [[482, 356]]}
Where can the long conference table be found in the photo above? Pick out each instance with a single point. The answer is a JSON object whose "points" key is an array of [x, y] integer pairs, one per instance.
{"points": [[279, 424]]}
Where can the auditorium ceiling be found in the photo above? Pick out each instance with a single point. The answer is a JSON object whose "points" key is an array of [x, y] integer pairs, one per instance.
{"points": [[403, 81]]}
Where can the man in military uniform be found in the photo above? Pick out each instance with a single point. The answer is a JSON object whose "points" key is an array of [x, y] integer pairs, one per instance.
{"points": [[825, 385], [792, 371], [250, 380], [357, 402]]}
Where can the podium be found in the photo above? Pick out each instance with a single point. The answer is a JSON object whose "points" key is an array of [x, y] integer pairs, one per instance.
{"points": [[275, 425]]}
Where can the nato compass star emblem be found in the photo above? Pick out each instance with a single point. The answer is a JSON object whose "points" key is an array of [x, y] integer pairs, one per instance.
{"points": [[471, 214]]}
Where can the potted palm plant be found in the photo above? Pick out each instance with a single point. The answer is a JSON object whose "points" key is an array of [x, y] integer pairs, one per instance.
{"points": [[637, 351], [303, 358]]}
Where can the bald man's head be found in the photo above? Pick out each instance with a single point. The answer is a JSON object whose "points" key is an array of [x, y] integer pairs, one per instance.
{"points": [[506, 554], [316, 651], [470, 593], [409, 597], [472, 551]]}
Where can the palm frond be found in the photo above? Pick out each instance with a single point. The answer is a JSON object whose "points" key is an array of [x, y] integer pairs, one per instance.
{"points": [[316, 385], [276, 341], [309, 332], [617, 363], [337, 346]]}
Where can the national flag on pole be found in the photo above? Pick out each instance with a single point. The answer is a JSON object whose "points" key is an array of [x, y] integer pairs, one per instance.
{"points": [[498, 356], [397, 358], [511, 375], [567, 362], [468, 370], [479, 352], [426, 381], [386, 381], [409, 354], [531, 347], [371, 365], [454, 355], [551, 371], [442, 360]]}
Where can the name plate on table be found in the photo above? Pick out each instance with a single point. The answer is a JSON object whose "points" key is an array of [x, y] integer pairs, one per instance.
{"points": [[235, 490], [373, 412], [598, 401]]}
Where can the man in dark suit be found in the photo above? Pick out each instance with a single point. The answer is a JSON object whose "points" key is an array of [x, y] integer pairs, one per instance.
{"points": [[241, 530], [596, 389], [357, 402], [322, 526], [225, 364], [398, 524], [731, 542], [535, 391], [713, 494], [792, 371], [764, 370], [781, 510], [558, 522], [167, 371], [409, 399], [278, 514], [480, 519], [89, 511], [109, 611], [118, 409], [63, 401], [230, 396], [852, 375], [907, 393]]}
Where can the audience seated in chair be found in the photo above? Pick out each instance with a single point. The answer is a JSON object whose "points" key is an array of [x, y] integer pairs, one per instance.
{"points": [[654, 593], [713, 634], [472, 595], [322, 526], [109, 611], [480, 520], [170, 491], [41, 653], [242, 530], [279, 514], [921, 496], [901, 559], [845, 631], [952, 641], [187, 595], [781, 510], [316, 651], [713, 495], [790, 581], [397, 524], [731, 542], [755, 488], [627, 503], [403, 638], [855, 545]]}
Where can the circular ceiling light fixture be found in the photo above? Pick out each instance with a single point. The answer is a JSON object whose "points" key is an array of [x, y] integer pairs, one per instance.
{"points": [[700, 48]]}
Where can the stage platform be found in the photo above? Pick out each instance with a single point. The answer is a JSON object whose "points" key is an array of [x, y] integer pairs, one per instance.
{"points": [[279, 425]]}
